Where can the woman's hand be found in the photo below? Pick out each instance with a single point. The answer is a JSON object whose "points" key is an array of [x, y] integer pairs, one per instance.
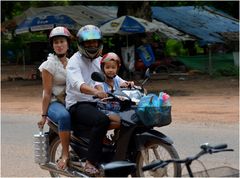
{"points": [[42, 122]]}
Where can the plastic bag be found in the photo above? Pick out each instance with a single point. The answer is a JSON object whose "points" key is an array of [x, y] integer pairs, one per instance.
{"points": [[153, 111]]}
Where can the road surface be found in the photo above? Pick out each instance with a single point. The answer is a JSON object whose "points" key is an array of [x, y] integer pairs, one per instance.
{"points": [[17, 159]]}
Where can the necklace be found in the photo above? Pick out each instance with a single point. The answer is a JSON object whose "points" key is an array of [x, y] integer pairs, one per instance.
{"points": [[64, 62]]}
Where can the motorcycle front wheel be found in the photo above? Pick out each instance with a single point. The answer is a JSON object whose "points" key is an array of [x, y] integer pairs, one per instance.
{"points": [[158, 151]]}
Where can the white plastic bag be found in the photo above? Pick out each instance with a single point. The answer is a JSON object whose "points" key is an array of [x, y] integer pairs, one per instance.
{"points": [[128, 57]]}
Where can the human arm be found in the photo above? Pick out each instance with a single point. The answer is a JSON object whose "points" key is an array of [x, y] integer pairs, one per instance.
{"points": [[124, 83], [99, 87], [79, 77], [93, 91], [47, 82]]}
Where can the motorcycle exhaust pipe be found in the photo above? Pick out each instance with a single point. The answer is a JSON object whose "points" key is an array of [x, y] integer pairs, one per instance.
{"points": [[69, 172]]}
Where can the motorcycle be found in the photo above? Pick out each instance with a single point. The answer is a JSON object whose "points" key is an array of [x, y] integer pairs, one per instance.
{"points": [[133, 141]]}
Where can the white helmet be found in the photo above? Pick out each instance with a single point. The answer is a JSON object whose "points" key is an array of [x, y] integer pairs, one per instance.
{"points": [[59, 31]]}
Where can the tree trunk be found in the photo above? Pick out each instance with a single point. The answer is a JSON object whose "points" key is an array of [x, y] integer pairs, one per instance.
{"points": [[140, 9]]}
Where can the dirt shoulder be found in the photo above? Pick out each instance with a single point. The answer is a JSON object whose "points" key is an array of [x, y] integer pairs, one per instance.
{"points": [[198, 98]]}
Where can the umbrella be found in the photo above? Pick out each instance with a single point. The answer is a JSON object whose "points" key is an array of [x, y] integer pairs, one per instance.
{"points": [[45, 21], [126, 25]]}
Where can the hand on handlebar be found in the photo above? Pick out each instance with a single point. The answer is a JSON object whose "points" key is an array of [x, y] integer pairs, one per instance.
{"points": [[127, 84], [101, 94], [107, 98]]}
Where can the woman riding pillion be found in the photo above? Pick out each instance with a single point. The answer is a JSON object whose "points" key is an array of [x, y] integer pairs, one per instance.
{"points": [[54, 83]]}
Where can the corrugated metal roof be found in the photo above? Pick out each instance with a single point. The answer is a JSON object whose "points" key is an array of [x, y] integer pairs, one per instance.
{"points": [[172, 33], [96, 15], [174, 22], [202, 23]]}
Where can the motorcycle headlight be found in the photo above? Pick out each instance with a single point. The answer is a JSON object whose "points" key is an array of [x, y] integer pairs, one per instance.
{"points": [[135, 95]]}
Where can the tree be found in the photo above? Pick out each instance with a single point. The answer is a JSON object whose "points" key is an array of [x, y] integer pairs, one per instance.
{"points": [[11, 9], [141, 9]]}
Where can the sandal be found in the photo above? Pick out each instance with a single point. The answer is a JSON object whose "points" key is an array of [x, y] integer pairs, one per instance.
{"points": [[91, 170], [62, 163]]}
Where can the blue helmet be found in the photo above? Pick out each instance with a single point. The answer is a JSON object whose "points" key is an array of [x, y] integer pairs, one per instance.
{"points": [[86, 33]]}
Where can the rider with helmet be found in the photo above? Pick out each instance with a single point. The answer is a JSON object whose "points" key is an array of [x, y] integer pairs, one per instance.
{"points": [[80, 91], [54, 82], [110, 65]]}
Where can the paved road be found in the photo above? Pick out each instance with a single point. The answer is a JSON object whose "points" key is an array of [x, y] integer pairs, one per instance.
{"points": [[17, 148], [188, 137]]}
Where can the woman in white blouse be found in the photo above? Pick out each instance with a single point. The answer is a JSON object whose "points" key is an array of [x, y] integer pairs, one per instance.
{"points": [[54, 83]]}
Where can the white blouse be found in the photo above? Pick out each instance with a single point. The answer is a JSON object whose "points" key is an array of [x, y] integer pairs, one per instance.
{"points": [[54, 66]]}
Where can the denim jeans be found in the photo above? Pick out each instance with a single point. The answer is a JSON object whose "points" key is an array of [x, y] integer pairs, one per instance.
{"points": [[60, 115]]}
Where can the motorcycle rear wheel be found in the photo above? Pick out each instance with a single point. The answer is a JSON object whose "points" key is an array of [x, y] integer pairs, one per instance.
{"points": [[158, 151], [55, 151]]}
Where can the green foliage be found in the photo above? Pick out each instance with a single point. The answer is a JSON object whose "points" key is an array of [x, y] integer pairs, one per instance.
{"points": [[11, 9], [49, 3], [229, 70], [18, 43], [175, 48], [199, 49], [14, 47]]}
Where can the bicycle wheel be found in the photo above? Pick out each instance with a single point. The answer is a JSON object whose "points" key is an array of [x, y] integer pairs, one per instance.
{"points": [[158, 151]]}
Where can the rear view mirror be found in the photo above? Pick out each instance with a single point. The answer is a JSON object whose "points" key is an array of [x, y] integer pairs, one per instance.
{"points": [[147, 73], [98, 77], [147, 76]]}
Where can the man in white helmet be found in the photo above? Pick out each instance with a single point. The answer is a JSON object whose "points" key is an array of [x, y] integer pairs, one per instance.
{"points": [[80, 91]]}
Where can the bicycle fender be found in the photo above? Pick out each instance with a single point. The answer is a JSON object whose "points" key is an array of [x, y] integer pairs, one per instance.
{"points": [[152, 135]]}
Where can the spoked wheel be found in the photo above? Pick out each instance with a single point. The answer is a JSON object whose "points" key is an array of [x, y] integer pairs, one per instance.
{"points": [[158, 151], [55, 152], [75, 167]]}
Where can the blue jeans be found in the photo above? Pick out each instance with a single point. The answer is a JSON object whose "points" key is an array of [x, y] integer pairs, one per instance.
{"points": [[60, 115]]}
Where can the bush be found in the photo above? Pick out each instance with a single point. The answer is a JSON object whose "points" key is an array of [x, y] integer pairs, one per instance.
{"points": [[229, 70]]}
